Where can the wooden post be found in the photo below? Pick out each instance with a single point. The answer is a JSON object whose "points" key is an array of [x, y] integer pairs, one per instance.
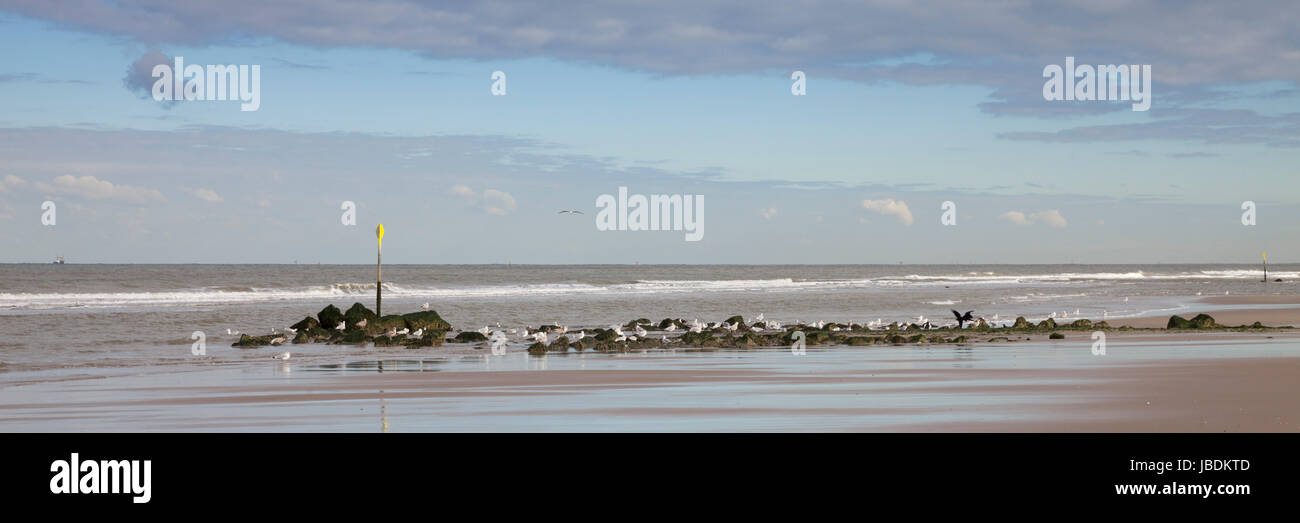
{"points": [[379, 272]]}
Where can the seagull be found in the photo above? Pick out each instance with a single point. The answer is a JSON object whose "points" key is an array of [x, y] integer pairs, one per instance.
{"points": [[621, 338], [290, 331], [277, 340], [570, 212], [617, 329], [404, 331], [284, 356], [541, 337], [759, 318], [671, 327], [640, 331], [581, 335], [485, 330], [963, 318], [631, 338], [342, 325], [391, 332], [230, 332], [361, 323], [418, 333], [425, 306], [696, 328], [732, 326], [663, 339]]}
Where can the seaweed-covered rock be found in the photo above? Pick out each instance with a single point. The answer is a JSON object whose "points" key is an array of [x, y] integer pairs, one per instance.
{"points": [[433, 338], [1178, 322], [536, 349], [356, 313], [860, 340], [384, 325], [1081, 324], [1203, 321], [959, 339], [735, 319], [306, 324], [352, 337], [427, 320], [329, 317], [1022, 323], [1047, 324], [251, 342], [469, 337], [385, 341], [605, 335], [1056, 336], [1101, 325]]}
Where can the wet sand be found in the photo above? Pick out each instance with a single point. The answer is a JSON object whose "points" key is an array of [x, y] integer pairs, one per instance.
{"points": [[1190, 382]]}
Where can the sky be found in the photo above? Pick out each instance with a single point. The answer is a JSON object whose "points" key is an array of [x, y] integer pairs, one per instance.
{"points": [[906, 105]]}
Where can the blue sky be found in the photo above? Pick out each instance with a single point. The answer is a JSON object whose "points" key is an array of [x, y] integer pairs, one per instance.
{"points": [[390, 106]]}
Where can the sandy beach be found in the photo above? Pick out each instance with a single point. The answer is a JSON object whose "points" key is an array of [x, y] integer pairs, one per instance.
{"points": [[1189, 382]]}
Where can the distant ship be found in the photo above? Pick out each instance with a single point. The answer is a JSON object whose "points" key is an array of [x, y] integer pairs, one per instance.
{"points": [[58, 260]]}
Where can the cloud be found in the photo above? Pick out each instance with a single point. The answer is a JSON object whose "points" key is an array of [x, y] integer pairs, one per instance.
{"points": [[498, 202], [1051, 218], [9, 182], [92, 188], [768, 213], [139, 77], [492, 201], [890, 207], [207, 195], [463, 190]]}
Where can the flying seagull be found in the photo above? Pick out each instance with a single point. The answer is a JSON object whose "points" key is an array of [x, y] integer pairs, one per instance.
{"points": [[570, 212], [963, 318]]}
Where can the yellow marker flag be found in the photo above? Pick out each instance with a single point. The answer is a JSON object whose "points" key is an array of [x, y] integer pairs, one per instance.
{"points": [[379, 233]]}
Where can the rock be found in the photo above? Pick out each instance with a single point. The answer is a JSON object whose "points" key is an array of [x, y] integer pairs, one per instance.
{"points": [[735, 319], [356, 313], [306, 324], [668, 321], [1022, 323], [860, 340], [695, 339], [915, 338], [1047, 324], [980, 324], [329, 317], [427, 320], [959, 339], [352, 337], [1081, 324], [469, 337], [251, 342], [605, 335], [1257, 325], [1056, 336], [385, 341], [391, 322], [1178, 322], [537, 348], [1101, 325], [434, 338], [1203, 321]]}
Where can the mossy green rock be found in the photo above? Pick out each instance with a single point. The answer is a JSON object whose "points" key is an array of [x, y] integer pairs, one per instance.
{"points": [[329, 317], [248, 342], [306, 324], [1203, 321], [1178, 322], [1056, 336], [427, 320], [469, 337], [536, 349], [1081, 324], [1022, 323], [356, 313], [1047, 324]]}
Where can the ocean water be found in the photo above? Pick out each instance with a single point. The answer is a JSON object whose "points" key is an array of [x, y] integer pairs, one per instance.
{"points": [[73, 316]]}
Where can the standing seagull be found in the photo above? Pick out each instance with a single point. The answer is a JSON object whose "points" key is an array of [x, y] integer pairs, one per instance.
{"points": [[963, 318]]}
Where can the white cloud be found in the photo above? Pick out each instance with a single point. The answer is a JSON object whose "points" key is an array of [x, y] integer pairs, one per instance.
{"points": [[9, 182], [1050, 217], [767, 213], [890, 207], [207, 195], [463, 190], [498, 202], [92, 188]]}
